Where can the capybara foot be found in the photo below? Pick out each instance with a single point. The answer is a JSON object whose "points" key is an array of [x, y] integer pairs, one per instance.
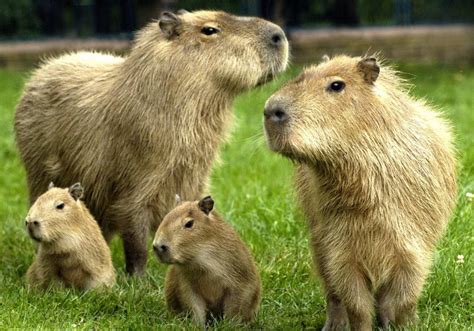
{"points": [[336, 323]]}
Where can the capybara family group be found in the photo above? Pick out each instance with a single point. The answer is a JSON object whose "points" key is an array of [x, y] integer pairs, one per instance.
{"points": [[375, 169], [137, 130]]}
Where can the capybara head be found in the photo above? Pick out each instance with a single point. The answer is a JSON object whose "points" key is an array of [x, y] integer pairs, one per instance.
{"points": [[333, 109], [53, 212], [184, 230], [232, 51]]}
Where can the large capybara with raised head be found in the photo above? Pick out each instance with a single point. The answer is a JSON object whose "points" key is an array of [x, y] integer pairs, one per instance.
{"points": [[71, 249], [376, 179], [139, 129], [212, 272]]}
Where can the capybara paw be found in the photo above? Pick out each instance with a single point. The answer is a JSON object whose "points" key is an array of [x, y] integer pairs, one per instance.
{"points": [[336, 324]]}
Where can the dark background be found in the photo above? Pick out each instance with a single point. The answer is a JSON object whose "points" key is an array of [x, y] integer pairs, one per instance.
{"points": [[30, 19]]}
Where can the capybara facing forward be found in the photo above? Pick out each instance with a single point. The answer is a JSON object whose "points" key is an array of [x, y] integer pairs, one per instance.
{"points": [[71, 249], [139, 129], [212, 271], [376, 180]]}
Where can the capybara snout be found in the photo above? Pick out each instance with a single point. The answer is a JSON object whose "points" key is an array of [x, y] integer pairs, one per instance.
{"points": [[320, 111]]}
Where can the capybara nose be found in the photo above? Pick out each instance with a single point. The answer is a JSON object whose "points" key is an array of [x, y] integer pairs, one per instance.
{"points": [[277, 39], [160, 249], [276, 36], [31, 224], [275, 114], [163, 248]]}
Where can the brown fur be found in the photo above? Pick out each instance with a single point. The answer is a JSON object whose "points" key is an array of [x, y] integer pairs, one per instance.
{"points": [[71, 251], [142, 128], [212, 270], [376, 179]]}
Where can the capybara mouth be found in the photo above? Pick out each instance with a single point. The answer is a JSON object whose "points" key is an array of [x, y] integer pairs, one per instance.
{"points": [[165, 259], [35, 238], [266, 78], [275, 140]]}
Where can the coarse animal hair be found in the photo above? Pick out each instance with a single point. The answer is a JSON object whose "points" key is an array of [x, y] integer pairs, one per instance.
{"points": [[212, 272], [71, 249], [376, 177], [138, 129]]}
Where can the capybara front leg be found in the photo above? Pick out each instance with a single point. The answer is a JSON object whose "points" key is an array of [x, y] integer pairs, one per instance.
{"points": [[336, 314], [135, 246]]}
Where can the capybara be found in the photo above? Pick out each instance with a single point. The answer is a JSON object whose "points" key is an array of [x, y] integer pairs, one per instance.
{"points": [[71, 249], [141, 128], [212, 272], [376, 179]]}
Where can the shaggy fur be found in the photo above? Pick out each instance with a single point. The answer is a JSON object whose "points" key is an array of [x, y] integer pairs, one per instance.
{"points": [[139, 129], [213, 272], [376, 178], [71, 249]]}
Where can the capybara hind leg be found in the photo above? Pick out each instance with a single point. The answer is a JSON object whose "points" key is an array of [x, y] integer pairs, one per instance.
{"points": [[336, 314], [397, 299], [135, 246], [241, 305]]}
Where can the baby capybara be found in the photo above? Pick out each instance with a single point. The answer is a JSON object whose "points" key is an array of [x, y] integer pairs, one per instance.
{"points": [[71, 249], [212, 272], [143, 127], [376, 179]]}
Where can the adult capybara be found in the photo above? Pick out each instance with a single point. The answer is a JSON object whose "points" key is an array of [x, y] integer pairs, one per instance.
{"points": [[376, 180], [71, 249], [139, 129], [212, 271]]}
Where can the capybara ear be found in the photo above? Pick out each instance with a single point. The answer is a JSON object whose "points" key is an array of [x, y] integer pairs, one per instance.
{"points": [[182, 12], [206, 204], [50, 186], [325, 58], [369, 68], [76, 191], [177, 199], [169, 24]]}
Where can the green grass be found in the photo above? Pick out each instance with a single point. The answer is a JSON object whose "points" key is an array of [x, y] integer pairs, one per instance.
{"points": [[253, 189]]}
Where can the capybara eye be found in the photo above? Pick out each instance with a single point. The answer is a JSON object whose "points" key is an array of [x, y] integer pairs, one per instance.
{"points": [[207, 30], [337, 86], [189, 224], [60, 205]]}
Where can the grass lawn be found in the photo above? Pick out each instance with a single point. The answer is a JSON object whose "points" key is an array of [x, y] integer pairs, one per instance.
{"points": [[252, 187]]}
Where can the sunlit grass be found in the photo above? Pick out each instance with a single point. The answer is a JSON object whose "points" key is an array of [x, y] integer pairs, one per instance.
{"points": [[253, 189]]}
